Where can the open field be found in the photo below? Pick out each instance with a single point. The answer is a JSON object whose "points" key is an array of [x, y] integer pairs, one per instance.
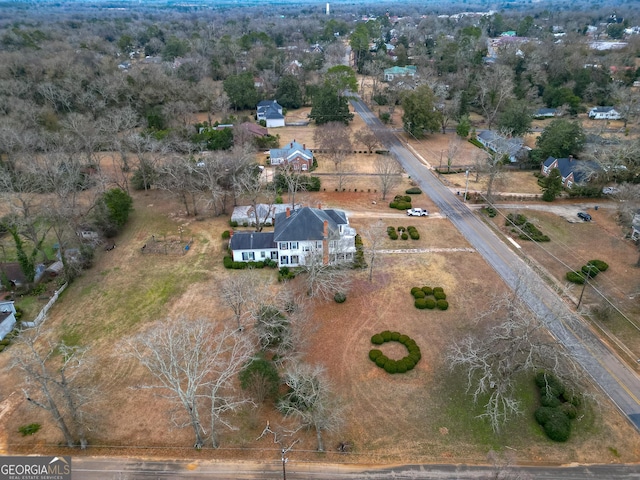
{"points": [[423, 416]]}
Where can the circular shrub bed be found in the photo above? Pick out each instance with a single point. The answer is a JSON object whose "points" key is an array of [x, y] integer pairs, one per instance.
{"points": [[390, 365], [404, 236], [427, 290]]}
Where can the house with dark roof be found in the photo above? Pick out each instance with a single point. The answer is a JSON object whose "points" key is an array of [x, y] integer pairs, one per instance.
{"points": [[545, 112], [572, 171], [298, 237], [271, 112], [511, 146], [294, 155], [604, 113], [7, 318]]}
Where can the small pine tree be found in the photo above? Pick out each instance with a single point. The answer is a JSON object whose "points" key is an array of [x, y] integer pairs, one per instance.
{"points": [[552, 185]]}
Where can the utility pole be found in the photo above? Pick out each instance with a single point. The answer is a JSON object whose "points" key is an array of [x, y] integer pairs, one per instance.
{"points": [[584, 285], [466, 187]]}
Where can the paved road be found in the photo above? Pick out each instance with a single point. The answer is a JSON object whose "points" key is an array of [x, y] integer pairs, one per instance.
{"points": [[616, 379], [137, 469]]}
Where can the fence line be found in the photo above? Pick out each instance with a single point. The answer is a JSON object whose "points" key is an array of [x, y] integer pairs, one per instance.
{"points": [[43, 313]]}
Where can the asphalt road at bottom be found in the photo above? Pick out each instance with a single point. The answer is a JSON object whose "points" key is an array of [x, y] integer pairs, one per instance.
{"points": [[616, 379], [87, 468]]}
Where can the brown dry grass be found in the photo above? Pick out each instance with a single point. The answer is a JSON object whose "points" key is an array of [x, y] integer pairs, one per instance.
{"points": [[389, 418]]}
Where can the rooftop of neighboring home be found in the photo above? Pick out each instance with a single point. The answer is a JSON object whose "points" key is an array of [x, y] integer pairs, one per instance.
{"points": [[581, 169], [290, 149]]}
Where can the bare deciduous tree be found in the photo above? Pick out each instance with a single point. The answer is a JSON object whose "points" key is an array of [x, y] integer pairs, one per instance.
{"points": [[194, 362], [334, 140], [239, 292], [373, 237], [494, 90], [388, 172], [493, 361], [367, 138], [310, 399], [323, 280], [54, 370]]}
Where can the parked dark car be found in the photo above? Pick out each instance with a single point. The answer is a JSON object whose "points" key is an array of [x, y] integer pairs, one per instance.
{"points": [[584, 216]]}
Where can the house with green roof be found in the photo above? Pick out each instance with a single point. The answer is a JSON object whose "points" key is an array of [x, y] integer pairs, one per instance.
{"points": [[394, 72]]}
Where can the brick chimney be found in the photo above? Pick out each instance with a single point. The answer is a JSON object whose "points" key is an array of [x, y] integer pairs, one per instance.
{"points": [[319, 206], [288, 212], [325, 243], [304, 146]]}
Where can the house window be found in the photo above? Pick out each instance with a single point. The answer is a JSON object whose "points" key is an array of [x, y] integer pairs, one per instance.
{"points": [[319, 245], [306, 248], [247, 256], [293, 245], [274, 255], [294, 259], [284, 245], [332, 244], [263, 254], [284, 260]]}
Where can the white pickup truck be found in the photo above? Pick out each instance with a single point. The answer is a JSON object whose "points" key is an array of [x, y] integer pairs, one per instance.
{"points": [[417, 212]]}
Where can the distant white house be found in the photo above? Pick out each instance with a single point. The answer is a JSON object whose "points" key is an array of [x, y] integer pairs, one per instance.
{"points": [[271, 112], [7, 318], [604, 113]]}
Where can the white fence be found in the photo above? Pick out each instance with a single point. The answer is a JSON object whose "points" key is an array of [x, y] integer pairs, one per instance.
{"points": [[43, 313]]}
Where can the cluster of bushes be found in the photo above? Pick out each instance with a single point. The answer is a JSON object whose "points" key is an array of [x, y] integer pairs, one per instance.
{"points": [[395, 366], [401, 202], [229, 263], [423, 298], [557, 407], [591, 269], [413, 191], [405, 233], [285, 273], [490, 211], [526, 230]]}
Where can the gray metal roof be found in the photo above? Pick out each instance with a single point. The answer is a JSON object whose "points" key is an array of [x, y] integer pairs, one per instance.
{"points": [[252, 241], [307, 224]]}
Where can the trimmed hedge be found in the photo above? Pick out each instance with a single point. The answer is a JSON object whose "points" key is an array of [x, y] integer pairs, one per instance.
{"points": [[599, 264], [413, 191], [427, 298], [420, 303], [555, 413], [575, 277], [404, 236], [229, 263], [442, 304], [390, 365]]}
